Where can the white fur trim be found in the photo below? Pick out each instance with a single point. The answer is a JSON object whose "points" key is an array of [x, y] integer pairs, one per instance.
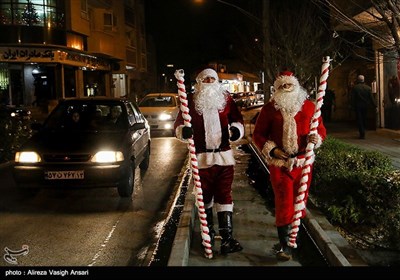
{"points": [[212, 128], [319, 142], [224, 158], [178, 134], [284, 79], [289, 164], [207, 73], [224, 207], [289, 137], [268, 146], [209, 205], [239, 126]]}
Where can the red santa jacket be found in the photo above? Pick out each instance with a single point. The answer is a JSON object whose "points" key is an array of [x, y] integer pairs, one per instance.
{"points": [[289, 133], [222, 155]]}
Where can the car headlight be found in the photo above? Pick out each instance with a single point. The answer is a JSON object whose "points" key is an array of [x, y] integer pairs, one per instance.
{"points": [[107, 157], [27, 157], [164, 117]]}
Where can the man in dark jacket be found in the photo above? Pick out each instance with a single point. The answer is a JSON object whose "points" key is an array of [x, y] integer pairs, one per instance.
{"points": [[362, 99]]}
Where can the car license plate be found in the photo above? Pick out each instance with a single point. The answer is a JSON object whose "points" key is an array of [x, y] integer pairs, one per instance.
{"points": [[64, 175]]}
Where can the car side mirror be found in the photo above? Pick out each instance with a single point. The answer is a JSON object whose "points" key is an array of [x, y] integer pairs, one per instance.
{"points": [[138, 126]]}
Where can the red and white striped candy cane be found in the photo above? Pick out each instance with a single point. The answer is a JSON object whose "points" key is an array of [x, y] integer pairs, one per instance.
{"points": [[300, 204], [179, 75]]}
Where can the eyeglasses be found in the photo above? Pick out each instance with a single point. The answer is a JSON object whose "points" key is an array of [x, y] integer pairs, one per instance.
{"points": [[208, 79], [288, 86]]}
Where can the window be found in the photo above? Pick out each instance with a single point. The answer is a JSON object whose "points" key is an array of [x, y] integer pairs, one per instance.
{"points": [[49, 13], [84, 9], [131, 38], [110, 22]]}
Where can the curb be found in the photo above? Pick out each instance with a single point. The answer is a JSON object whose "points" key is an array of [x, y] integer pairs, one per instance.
{"points": [[179, 255]]}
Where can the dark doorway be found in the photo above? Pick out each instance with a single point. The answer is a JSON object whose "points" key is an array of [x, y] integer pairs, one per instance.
{"points": [[16, 87]]}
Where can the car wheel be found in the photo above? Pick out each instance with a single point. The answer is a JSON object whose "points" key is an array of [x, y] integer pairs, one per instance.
{"points": [[144, 165], [126, 188]]}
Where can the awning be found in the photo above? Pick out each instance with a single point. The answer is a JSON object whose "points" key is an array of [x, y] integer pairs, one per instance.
{"points": [[250, 77], [242, 76], [226, 76]]}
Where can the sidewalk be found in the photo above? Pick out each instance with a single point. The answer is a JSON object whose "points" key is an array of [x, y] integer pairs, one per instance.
{"points": [[383, 140]]}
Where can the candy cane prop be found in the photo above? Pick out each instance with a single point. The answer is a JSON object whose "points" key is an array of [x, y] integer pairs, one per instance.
{"points": [[179, 74], [300, 204]]}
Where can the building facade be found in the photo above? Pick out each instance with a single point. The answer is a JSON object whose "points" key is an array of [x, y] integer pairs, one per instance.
{"points": [[54, 49], [371, 58]]}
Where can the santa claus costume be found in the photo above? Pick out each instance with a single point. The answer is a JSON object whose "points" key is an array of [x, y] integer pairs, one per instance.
{"points": [[216, 120], [282, 132]]}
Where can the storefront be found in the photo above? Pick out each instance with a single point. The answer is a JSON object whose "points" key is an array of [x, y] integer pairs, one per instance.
{"points": [[238, 82], [41, 75], [388, 77]]}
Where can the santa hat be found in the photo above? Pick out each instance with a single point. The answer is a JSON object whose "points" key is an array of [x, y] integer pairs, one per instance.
{"points": [[286, 77], [207, 73]]}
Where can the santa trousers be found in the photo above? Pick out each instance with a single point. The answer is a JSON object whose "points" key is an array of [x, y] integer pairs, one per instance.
{"points": [[285, 184], [216, 182]]}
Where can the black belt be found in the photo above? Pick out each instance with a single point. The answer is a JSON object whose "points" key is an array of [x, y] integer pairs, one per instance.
{"points": [[213, 150]]}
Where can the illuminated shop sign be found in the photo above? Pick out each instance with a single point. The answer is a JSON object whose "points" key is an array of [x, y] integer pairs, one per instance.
{"points": [[25, 54], [53, 55]]}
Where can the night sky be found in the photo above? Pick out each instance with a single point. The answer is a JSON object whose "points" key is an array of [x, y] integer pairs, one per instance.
{"points": [[190, 35]]}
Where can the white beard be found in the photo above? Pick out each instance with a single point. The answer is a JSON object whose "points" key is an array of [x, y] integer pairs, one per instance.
{"points": [[209, 96], [209, 100], [290, 101]]}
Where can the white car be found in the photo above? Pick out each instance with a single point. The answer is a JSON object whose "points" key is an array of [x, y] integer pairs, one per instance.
{"points": [[160, 110]]}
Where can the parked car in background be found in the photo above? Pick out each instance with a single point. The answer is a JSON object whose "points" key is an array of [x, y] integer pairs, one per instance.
{"points": [[259, 95], [160, 110], [239, 98], [85, 143]]}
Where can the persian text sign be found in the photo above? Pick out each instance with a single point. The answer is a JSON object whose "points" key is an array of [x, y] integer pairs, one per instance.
{"points": [[26, 54]]}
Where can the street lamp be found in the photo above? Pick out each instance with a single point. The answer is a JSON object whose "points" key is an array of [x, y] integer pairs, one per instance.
{"points": [[165, 81]]}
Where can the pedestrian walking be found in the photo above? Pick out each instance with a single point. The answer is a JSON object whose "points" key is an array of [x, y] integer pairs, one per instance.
{"points": [[282, 132], [361, 100], [216, 121]]}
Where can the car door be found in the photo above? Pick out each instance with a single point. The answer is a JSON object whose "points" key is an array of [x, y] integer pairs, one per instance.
{"points": [[140, 137]]}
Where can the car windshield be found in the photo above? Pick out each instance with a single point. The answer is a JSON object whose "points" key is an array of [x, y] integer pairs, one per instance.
{"points": [[158, 101], [87, 116]]}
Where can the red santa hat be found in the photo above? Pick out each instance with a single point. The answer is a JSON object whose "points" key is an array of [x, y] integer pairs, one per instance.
{"points": [[286, 77]]}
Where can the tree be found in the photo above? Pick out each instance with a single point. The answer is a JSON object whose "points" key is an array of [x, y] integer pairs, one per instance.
{"points": [[30, 15], [377, 20], [294, 36]]}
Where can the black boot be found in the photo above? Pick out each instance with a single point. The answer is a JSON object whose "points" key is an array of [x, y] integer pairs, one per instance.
{"points": [[228, 243], [210, 224], [285, 253]]}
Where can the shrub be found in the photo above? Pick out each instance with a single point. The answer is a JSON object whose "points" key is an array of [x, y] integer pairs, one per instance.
{"points": [[353, 186]]}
